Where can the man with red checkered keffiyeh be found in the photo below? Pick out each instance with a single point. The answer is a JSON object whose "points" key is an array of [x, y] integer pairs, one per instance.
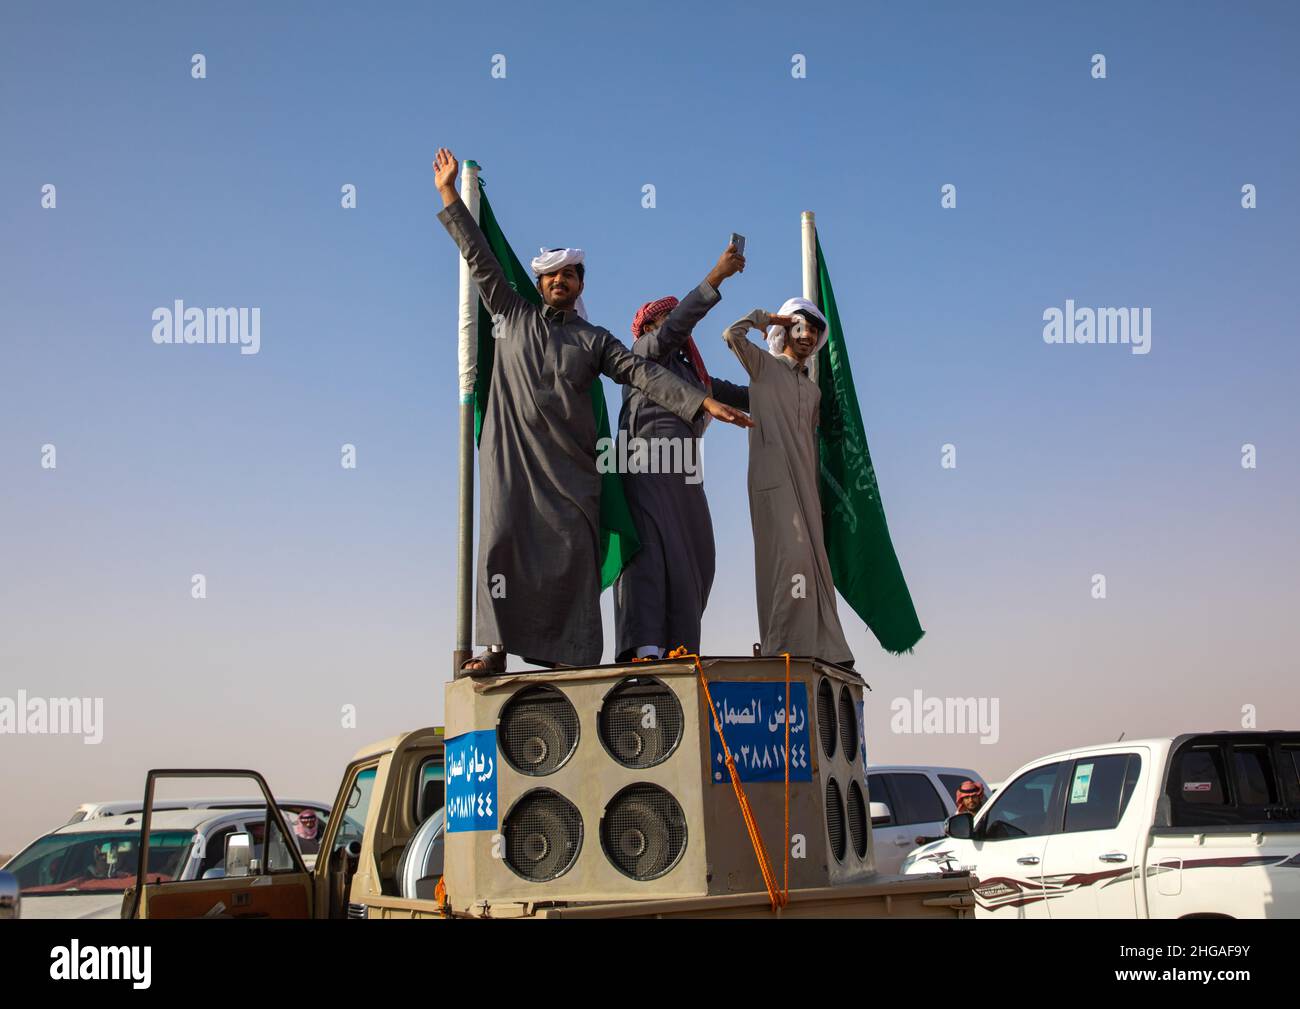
{"points": [[660, 596]]}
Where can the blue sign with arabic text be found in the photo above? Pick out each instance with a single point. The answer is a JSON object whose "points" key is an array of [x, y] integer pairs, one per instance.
{"points": [[472, 781], [753, 720]]}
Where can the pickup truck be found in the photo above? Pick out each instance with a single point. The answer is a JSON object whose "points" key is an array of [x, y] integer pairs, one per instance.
{"points": [[1204, 825], [382, 857]]}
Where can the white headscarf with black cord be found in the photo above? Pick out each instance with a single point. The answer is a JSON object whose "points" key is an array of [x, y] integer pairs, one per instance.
{"points": [[776, 334]]}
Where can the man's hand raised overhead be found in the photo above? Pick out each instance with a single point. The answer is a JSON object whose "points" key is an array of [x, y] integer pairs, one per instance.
{"points": [[445, 167]]}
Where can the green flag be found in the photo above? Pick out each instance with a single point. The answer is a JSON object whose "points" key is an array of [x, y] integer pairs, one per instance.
{"points": [[618, 538], [863, 562]]}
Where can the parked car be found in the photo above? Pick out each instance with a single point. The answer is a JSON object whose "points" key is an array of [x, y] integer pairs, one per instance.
{"points": [[82, 869], [909, 806], [1195, 826]]}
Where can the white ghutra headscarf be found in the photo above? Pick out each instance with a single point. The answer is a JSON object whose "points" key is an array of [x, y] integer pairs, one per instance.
{"points": [[550, 260], [776, 334]]}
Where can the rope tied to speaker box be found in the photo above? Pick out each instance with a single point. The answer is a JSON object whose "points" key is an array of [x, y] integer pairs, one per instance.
{"points": [[775, 895]]}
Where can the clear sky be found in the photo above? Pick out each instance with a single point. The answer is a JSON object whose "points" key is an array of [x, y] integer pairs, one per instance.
{"points": [[329, 587]]}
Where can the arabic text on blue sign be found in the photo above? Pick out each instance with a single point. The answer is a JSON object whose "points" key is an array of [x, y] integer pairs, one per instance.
{"points": [[472, 781], [753, 717]]}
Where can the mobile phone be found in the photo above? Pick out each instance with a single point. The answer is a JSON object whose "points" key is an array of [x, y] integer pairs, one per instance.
{"points": [[739, 242]]}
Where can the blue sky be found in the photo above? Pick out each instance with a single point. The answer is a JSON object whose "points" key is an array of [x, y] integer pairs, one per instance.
{"points": [[329, 587]]}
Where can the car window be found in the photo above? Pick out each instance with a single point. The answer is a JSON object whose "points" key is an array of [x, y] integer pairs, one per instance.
{"points": [[878, 791], [1253, 770], [1020, 809], [278, 858], [214, 852], [918, 801], [1289, 772], [99, 861], [1099, 790], [1198, 779], [430, 791], [352, 826]]}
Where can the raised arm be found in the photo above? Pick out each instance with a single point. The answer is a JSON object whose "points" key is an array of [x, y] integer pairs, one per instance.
{"points": [[681, 321], [661, 385], [731, 394], [752, 357], [497, 294]]}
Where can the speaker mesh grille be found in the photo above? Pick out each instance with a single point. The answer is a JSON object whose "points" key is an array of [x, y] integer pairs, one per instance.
{"points": [[857, 820], [538, 730], [641, 722], [543, 835], [848, 724], [643, 831], [826, 717], [835, 818]]}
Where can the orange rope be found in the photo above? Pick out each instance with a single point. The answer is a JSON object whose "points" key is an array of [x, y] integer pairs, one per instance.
{"points": [[755, 836], [788, 706]]}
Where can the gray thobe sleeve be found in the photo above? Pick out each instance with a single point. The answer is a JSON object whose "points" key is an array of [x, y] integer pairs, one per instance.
{"points": [[731, 394], [496, 292], [658, 383], [752, 357], [672, 335]]}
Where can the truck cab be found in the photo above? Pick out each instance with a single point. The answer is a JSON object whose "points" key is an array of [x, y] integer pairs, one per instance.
{"points": [[388, 791]]}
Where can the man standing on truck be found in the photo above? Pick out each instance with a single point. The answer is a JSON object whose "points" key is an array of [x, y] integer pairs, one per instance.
{"points": [[796, 594], [660, 596], [538, 590]]}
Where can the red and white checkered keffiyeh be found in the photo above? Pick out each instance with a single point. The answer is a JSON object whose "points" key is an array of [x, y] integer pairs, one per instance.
{"points": [[648, 312]]}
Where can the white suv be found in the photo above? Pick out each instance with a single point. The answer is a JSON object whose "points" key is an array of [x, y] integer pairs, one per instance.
{"points": [[909, 806]]}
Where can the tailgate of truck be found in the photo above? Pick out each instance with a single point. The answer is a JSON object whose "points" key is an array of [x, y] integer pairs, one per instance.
{"points": [[933, 896]]}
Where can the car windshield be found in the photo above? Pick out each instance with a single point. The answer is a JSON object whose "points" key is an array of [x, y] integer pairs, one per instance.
{"points": [[98, 861]]}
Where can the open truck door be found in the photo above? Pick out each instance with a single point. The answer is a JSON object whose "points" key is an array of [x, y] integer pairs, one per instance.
{"points": [[268, 880]]}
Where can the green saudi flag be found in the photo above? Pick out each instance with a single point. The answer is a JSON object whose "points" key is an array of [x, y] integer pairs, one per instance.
{"points": [[863, 563], [618, 538]]}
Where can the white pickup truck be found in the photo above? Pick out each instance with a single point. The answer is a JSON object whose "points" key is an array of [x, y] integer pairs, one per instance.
{"points": [[1204, 825]]}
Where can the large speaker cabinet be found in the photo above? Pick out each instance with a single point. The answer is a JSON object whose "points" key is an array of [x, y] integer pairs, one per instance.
{"points": [[601, 784]]}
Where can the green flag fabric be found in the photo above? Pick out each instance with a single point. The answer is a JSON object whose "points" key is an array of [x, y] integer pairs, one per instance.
{"points": [[863, 562], [618, 537]]}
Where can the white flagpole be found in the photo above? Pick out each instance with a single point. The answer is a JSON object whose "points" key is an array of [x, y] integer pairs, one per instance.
{"points": [[468, 356], [811, 288]]}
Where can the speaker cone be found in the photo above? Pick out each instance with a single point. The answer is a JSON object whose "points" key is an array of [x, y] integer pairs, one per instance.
{"points": [[857, 820], [826, 717], [640, 722], [538, 730], [848, 724], [543, 833], [835, 818], [643, 831]]}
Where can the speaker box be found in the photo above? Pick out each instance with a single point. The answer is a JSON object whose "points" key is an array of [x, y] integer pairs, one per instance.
{"points": [[608, 783]]}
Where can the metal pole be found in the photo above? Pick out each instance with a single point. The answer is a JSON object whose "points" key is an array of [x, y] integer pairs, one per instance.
{"points": [[811, 287], [468, 355]]}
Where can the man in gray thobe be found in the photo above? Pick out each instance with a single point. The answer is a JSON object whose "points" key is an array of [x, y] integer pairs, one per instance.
{"points": [[796, 595], [538, 592], [660, 596]]}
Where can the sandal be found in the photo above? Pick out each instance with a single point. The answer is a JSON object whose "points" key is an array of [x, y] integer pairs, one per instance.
{"points": [[490, 662]]}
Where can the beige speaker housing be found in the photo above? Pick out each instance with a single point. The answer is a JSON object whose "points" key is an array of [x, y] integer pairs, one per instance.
{"points": [[718, 857]]}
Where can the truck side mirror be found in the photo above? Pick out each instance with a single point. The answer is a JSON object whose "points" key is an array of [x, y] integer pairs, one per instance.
{"points": [[10, 896], [239, 854], [881, 815], [960, 826]]}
